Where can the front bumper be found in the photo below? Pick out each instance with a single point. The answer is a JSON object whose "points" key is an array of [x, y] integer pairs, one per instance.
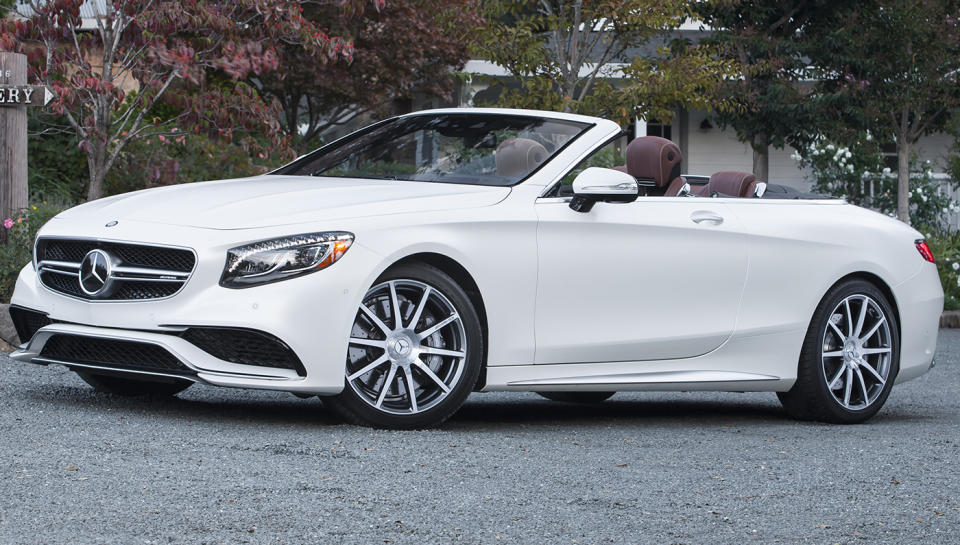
{"points": [[312, 315]]}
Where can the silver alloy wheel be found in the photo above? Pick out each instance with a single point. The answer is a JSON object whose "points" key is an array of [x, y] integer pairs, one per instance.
{"points": [[408, 347], [856, 352]]}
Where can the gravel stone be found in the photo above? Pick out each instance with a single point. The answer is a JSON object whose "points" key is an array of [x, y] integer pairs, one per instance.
{"points": [[222, 466]]}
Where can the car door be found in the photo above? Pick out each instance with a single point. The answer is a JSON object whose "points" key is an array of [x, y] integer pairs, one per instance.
{"points": [[658, 278]]}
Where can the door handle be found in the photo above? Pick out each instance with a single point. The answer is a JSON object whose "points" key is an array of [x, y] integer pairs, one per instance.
{"points": [[701, 216]]}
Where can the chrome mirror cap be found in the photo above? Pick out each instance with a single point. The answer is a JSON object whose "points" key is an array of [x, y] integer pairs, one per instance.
{"points": [[605, 183], [760, 189], [597, 184]]}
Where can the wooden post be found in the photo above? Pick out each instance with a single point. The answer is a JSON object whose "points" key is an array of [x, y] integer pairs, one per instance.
{"points": [[13, 141]]}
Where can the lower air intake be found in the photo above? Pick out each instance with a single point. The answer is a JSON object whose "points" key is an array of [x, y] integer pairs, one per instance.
{"points": [[113, 353], [244, 346]]}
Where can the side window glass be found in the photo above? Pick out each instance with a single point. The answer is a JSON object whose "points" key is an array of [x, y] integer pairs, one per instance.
{"points": [[611, 154]]}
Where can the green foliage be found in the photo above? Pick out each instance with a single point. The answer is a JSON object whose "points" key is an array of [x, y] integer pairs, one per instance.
{"points": [[559, 60], [179, 158], [857, 173], [57, 168], [766, 39], [891, 67], [18, 249], [945, 246], [404, 49]]}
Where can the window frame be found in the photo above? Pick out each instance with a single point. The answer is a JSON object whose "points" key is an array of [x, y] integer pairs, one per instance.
{"points": [[586, 127]]}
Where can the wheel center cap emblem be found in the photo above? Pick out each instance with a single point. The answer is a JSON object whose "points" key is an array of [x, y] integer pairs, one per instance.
{"points": [[95, 272], [402, 346]]}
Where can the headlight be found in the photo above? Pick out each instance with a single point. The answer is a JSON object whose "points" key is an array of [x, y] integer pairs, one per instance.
{"points": [[282, 258]]}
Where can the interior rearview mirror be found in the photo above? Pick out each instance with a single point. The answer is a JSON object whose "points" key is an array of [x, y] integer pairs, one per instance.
{"points": [[597, 184]]}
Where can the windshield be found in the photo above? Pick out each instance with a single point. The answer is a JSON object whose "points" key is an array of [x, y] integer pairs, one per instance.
{"points": [[481, 149]]}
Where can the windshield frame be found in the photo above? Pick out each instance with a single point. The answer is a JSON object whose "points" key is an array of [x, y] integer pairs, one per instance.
{"points": [[586, 126]]}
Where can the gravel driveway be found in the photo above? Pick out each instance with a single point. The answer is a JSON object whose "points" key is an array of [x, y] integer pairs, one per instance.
{"points": [[230, 466]]}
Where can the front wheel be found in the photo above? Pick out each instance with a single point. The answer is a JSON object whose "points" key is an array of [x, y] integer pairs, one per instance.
{"points": [[850, 357], [415, 351]]}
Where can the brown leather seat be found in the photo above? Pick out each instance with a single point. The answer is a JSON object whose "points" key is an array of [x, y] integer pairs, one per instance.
{"points": [[657, 159], [517, 157], [729, 184]]}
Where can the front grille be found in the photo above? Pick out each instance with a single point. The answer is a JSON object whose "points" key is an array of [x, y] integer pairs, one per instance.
{"points": [[138, 271], [245, 347], [62, 283], [146, 290], [27, 321], [135, 255], [117, 354]]}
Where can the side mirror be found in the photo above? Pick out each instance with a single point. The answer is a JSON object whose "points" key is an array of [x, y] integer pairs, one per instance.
{"points": [[760, 190], [596, 184]]}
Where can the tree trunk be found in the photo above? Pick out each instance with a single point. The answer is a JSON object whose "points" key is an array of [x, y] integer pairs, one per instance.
{"points": [[903, 179], [761, 157], [96, 165]]}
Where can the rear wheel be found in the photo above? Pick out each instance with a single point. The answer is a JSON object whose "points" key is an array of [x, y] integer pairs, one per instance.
{"points": [[850, 357], [131, 387], [577, 397], [415, 351]]}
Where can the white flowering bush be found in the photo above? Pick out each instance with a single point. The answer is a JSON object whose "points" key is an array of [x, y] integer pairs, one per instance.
{"points": [[857, 174], [946, 249]]}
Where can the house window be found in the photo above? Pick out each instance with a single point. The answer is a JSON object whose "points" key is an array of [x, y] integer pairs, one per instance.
{"points": [[890, 160], [663, 130]]}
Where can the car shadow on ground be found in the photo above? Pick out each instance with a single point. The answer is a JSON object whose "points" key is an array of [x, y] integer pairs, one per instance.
{"points": [[481, 413]]}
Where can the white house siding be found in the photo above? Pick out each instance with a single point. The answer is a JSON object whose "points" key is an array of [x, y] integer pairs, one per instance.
{"points": [[935, 148], [713, 150]]}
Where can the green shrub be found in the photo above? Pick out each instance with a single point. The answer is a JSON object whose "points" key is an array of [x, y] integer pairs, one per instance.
{"points": [[180, 158], [57, 168], [857, 174], [945, 246], [20, 231]]}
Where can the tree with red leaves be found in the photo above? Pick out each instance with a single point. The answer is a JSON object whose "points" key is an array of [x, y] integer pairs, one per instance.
{"points": [[189, 57], [404, 48]]}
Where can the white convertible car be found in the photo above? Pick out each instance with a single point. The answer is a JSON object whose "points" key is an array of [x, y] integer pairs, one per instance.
{"points": [[400, 268]]}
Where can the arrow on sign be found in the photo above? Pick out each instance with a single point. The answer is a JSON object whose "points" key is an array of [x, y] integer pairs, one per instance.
{"points": [[25, 95]]}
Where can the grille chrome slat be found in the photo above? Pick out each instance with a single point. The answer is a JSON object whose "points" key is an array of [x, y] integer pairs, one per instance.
{"points": [[142, 271]]}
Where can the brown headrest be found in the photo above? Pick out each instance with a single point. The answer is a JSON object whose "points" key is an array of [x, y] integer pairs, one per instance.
{"points": [[654, 157], [519, 156], [734, 184]]}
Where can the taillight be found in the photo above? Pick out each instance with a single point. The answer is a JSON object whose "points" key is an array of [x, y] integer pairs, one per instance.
{"points": [[925, 251]]}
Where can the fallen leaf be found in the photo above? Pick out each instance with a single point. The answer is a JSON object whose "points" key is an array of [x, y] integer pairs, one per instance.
{"points": [[71, 468]]}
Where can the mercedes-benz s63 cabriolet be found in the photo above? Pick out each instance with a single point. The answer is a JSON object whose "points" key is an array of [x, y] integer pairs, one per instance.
{"points": [[402, 267]]}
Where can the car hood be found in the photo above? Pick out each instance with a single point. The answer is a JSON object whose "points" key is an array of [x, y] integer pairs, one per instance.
{"points": [[268, 201]]}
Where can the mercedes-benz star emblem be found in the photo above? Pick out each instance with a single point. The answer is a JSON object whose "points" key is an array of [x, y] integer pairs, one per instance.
{"points": [[95, 272]]}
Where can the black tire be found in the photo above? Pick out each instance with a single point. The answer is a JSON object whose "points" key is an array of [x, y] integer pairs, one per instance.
{"points": [[349, 405], [577, 397], [810, 398], [131, 387]]}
